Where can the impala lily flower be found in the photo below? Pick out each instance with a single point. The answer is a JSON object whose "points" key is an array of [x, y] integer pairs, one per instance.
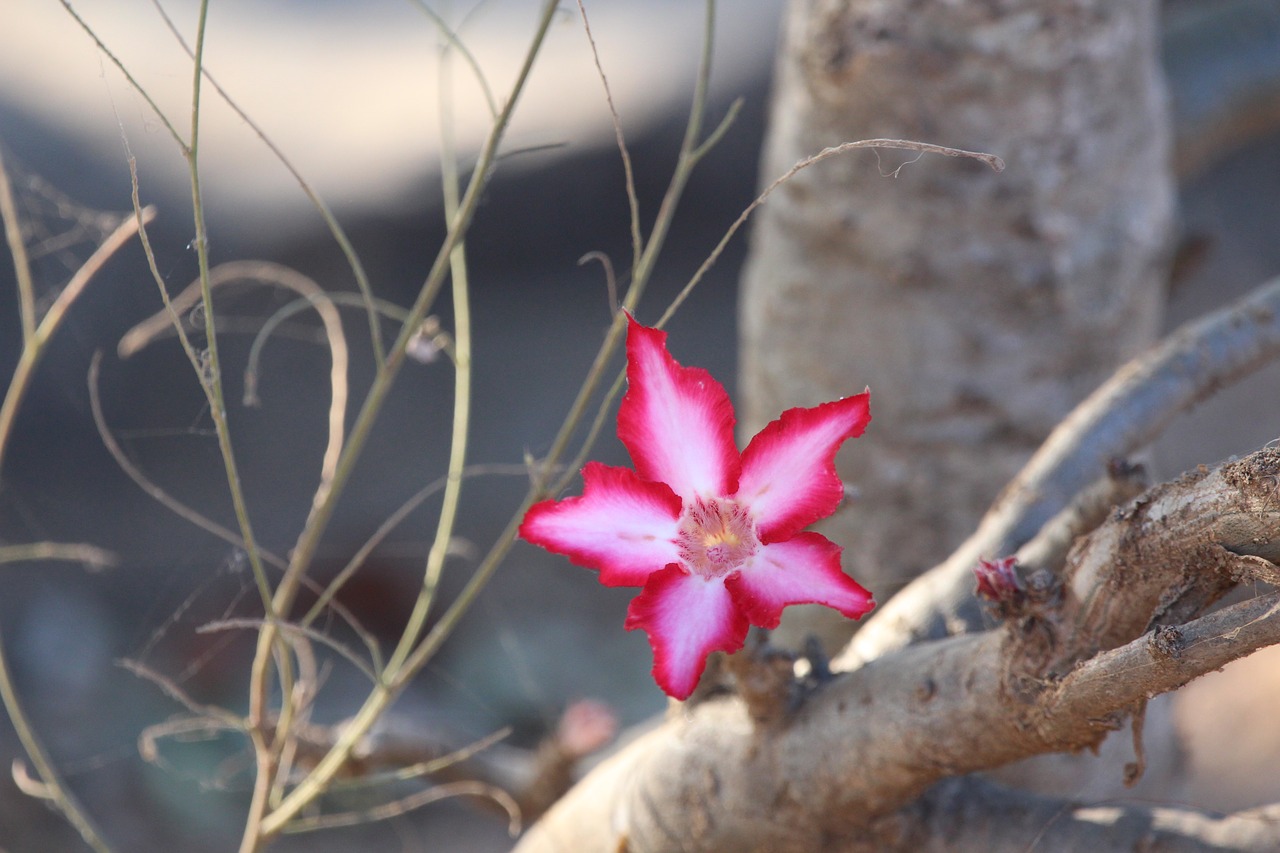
{"points": [[714, 537]]}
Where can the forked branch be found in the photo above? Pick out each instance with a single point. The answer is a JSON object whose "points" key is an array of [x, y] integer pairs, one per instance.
{"points": [[875, 739]]}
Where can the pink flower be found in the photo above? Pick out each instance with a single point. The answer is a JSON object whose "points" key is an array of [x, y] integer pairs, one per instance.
{"points": [[713, 536]]}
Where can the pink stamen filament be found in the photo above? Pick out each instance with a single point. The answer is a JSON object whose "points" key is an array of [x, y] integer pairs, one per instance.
{"points": [[715, 537]]}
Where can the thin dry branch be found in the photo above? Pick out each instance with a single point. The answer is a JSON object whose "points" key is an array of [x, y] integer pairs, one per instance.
{"points": [[400, 749], [878, 737], [414, 801], [153, 489]]}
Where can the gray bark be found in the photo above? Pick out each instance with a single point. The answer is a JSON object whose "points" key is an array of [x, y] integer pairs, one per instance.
{"points": [[978, 307]]}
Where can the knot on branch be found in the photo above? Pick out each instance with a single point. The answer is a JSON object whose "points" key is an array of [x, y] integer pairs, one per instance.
{"points": [[773, 683]]}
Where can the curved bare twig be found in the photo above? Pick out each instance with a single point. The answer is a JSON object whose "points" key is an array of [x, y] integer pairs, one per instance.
{"points": [[281, 276]]}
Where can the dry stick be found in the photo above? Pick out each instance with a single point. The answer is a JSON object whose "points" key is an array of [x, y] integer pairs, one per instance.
{"points": [[1127, 412], [991, 160], [393, 754], [272, 323], [297, 708], [610, 280], [34, 349], [169, 688], [411, 802], [156, 493], [633, 202], [876, 738], [288, 628], [149, 749], [18, 252]]}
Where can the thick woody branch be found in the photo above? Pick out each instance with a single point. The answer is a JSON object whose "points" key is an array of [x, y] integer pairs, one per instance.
{"points": [[877, 738], [1125, 414]]}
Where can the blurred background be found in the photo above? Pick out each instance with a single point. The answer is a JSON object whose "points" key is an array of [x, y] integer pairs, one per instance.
{"points": [[349, 92]]}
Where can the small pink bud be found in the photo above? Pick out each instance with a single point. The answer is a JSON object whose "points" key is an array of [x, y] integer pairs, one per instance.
{"points": [[998, 580], [586, 726]]}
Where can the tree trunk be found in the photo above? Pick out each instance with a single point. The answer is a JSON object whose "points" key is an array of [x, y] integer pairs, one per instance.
{"points": [[979, 307]]}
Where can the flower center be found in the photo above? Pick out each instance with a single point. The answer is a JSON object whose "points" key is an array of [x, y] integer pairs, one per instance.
{"points": [[715, 537]]}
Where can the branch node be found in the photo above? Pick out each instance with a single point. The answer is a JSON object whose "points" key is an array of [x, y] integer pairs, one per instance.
{"points": [[1166, 642], [766, 679]]}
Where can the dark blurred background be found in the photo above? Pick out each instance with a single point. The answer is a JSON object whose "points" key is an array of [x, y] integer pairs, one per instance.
{"points": [[348, 91]]}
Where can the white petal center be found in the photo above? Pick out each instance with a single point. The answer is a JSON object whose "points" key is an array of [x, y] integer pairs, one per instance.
{"points": [[715, 537]]}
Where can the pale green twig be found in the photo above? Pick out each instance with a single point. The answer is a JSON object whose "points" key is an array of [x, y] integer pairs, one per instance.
{"points": [[924, 147], [378, 700], [461, 384]]}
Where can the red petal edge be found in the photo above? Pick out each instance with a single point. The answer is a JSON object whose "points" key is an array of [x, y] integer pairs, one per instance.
{"points": [[686, 618], [622, 525], [802, 570], [789, 477], [676, 421]]}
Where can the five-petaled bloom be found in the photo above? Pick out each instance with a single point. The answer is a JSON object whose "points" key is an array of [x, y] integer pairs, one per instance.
{"points": [[714, 537]]}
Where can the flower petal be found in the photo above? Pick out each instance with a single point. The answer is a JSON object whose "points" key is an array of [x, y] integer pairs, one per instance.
{"points": [[622, 525], [676, 421], [687, 617], [802, 570], [789, 475]]}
